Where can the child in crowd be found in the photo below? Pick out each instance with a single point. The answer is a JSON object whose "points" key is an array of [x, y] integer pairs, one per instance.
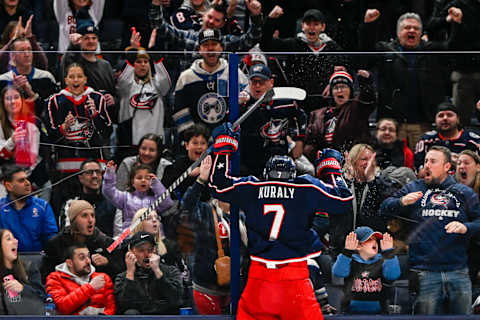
{"points": [[365, 270], [144, 188]]}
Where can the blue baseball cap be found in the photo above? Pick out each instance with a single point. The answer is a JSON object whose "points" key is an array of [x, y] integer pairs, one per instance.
{"points": [[86, 26], [365, 233], [260, 70]]}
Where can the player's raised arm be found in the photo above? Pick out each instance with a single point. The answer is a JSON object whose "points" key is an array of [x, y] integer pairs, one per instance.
{"points": [[225, 143], [329, 171]]}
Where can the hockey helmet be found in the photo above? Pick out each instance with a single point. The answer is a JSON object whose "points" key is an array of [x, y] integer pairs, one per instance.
{"points": [[279, 168]]}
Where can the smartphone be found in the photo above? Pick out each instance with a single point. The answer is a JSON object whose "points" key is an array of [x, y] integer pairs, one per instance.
{"points": [[11, 293]]}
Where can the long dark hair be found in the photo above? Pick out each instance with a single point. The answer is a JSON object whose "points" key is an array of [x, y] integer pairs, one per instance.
{"points": [[7, 126], [158, 141], [18, 267]]}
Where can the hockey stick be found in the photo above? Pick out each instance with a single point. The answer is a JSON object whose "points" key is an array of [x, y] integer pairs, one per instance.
{"points": [[275, 93]]}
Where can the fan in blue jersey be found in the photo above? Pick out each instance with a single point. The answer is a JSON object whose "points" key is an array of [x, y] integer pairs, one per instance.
{"points": [[449, 134], [279, 213]]}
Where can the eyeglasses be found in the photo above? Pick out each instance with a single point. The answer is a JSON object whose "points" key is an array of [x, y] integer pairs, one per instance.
{"points": [[91, 172], [340, 87], [257, 82]]}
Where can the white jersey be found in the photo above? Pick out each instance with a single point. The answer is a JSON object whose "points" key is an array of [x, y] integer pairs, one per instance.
{"points": [[143, 101], [68, 24]]}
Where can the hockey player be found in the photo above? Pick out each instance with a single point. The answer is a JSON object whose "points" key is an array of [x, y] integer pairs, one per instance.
{"points": [[279, 213], [201, 93], [448, 134]]}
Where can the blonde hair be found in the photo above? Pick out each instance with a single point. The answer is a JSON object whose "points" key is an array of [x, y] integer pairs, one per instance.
{"points": [[161, 248], [354, 155], [356, 150]]}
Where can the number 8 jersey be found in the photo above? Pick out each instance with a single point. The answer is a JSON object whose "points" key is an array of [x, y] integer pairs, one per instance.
{"points": [[279, 213]]}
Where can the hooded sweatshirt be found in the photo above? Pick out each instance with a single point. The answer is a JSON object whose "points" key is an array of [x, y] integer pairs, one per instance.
{"points": [[74, 295]]}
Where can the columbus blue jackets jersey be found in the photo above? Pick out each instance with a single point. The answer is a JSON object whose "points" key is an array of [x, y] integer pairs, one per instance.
{"points": [[186, 19], [466, 140], [89, 130], [279, 214], [265, 132]]}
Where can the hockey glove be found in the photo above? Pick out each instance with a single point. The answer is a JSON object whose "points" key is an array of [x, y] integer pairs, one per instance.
{"points": [[225, 139], [328, 162]]}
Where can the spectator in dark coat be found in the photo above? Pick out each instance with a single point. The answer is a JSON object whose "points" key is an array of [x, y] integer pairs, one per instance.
{"points": [[306, 71], [344, 123], [82, 230], [148, 286], [410, 85], [390, 150]]}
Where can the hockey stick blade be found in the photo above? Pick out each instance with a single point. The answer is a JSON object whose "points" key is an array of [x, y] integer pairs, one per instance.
{"points": [[289, 93], [266, 97]]}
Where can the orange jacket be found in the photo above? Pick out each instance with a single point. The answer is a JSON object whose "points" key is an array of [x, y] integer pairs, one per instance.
{"points": [[71, 298]]}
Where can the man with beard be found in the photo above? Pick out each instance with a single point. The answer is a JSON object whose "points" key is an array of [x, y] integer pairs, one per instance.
{"points": [[448, 134], [77, 289], [90, 190], [30, 219], [201, 93], [82, 230], [447, 215]]}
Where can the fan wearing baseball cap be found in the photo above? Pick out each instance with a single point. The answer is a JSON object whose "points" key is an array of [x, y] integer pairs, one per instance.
{"points": [[366, 263], [307, 71], [277, 128], [148, 286], [201, 92]]}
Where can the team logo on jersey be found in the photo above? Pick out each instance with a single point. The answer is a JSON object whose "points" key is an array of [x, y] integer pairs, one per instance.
{"points": [[81, 130], [143, 101], [211, 108], [34, 213], [274, 130]]}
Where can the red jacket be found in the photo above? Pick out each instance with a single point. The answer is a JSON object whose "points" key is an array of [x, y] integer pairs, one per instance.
{"points": [[71, 298]]}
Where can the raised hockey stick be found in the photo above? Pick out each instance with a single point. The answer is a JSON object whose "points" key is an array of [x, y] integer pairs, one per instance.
{"points": [[275, 93]]}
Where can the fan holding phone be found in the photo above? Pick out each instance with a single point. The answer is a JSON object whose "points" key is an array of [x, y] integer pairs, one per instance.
{"points": [[22, 291]]}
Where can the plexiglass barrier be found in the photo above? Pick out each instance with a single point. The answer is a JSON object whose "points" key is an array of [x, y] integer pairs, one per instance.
{"points": [[119, 128]]}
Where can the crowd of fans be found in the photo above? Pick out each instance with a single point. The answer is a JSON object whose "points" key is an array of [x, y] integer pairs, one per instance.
{"points": [[88, 84]]}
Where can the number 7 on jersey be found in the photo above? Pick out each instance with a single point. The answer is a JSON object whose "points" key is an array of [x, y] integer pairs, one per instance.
{"points": [[279, 211]]}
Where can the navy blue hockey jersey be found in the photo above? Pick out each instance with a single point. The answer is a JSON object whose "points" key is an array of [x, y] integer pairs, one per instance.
{"points": [[466, 140], [265, 132], [279, 214]]}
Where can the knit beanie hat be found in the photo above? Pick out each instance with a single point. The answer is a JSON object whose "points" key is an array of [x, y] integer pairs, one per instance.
{"points": [[341, 77], [76, 207]]}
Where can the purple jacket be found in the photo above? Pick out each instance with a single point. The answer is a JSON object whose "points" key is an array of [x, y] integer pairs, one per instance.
{"points": [[131, 202]]}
